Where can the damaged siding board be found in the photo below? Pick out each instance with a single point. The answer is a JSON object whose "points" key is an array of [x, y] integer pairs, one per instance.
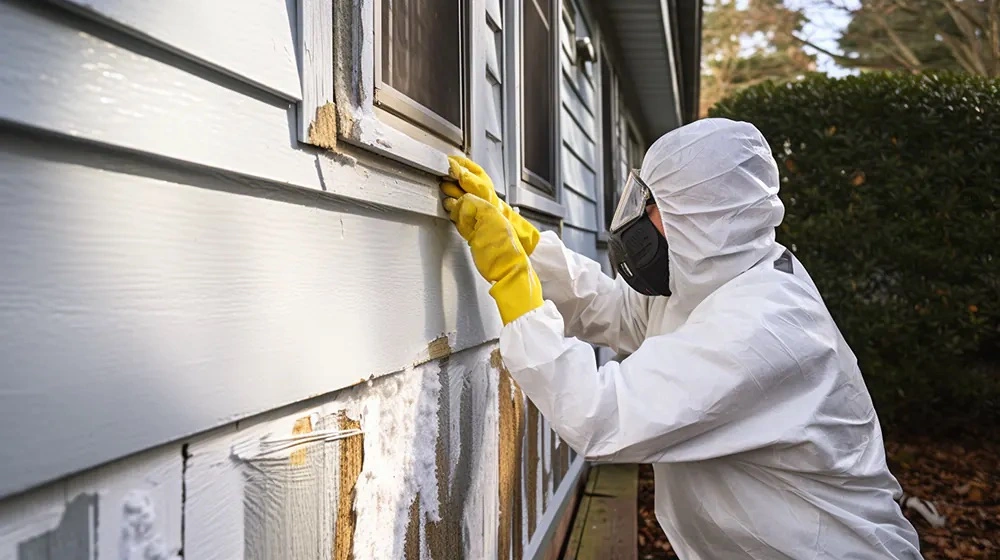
{"points": [[426, 466], [130, 510], [252, 40], [163, 296]]}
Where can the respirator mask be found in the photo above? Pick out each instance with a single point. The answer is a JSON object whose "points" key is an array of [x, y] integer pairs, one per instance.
{"points": [[637, 251]]}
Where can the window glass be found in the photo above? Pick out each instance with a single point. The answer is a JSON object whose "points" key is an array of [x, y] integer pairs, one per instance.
{"points": [[538, 90], [422, 54]]}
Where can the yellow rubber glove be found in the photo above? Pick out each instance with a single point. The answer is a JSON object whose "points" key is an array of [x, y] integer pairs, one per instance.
{"points": [[472, 179], [498, 255]]}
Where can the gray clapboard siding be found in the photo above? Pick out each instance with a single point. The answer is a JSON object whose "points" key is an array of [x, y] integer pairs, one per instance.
{"points": [[488, 85], [580, 240], [582, 210], [580, 87], [579, 140], [101, 92], [578, 176], [579, 112], [140, 309], [250, 39], [579, 154], [76, 84]]}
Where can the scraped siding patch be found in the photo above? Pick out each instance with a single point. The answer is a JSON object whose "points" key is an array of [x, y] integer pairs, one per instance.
{"points": [[351, 460], [128, 510], [75, 538], [289, 493]]}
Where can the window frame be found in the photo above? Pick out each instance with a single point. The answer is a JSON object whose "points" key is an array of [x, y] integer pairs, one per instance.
{"points": [[555, 26], [521, 191], [401, 106], [339, 91]]}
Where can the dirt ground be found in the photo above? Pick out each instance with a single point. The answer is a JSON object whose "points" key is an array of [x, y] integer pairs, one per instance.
{"points": [[963, 481]]}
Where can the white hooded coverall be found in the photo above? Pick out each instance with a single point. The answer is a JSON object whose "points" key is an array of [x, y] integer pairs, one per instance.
{"points": [[739, 387]]}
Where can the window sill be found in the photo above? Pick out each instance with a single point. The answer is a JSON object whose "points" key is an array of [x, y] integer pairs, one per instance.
{"points": [[366, 130], [524, 196]]}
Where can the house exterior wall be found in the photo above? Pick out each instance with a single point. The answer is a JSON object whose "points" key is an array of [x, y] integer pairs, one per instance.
{"points": [[236, 322]]}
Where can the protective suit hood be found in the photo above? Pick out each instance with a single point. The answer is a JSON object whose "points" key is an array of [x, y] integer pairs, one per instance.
{"points": [[715, 183]]}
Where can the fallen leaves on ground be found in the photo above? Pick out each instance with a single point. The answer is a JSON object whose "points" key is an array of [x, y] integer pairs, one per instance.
{"points": [[962, 480]]}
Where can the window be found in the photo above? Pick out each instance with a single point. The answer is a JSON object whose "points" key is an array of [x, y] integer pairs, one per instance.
{"points": [[538, 87], [420, 68]]}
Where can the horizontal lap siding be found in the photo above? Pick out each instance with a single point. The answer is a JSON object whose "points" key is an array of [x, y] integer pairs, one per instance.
{"points": [[180, 266], [252, 40], [579, 152], [165, 280], [488, 83]]}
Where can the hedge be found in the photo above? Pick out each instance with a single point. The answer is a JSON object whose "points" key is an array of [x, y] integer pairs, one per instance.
{"points": [[891, 183]]}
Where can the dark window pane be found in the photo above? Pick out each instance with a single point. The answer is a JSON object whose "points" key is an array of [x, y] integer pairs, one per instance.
{"points": [[545, 6], [607, 144], [421, 55], [538, 91]]}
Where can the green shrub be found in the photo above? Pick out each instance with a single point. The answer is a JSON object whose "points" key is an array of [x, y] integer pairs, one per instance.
{"points": [[891, 184]]}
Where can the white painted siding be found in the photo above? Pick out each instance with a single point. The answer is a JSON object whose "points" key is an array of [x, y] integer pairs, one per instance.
{"points": [[187, 276], [252, 40], [488, 89], [579, 142], [130, 510]]}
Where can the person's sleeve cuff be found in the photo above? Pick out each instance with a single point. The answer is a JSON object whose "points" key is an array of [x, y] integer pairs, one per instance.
{"points": [[533, 339]]}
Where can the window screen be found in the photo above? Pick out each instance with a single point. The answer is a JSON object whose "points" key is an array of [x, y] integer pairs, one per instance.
{"points": [[422, 54], [538, 91]]}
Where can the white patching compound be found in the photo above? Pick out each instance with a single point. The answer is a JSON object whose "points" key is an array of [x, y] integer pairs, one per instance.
{"points": [[399, 418]]}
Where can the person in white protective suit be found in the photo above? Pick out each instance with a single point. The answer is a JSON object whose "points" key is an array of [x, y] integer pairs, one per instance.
{"points": [[738, 386]]}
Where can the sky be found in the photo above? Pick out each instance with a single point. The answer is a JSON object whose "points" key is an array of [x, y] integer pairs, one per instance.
{"points": [[824, 27]]}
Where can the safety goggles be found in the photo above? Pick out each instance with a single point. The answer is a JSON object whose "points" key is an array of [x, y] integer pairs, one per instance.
{"points": [[636, 196]]}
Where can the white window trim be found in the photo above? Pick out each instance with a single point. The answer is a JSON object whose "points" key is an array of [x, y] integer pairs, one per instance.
{"points": [[519, 191], [339, 92]]}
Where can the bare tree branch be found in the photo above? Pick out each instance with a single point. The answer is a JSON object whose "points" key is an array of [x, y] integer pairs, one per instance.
{"points": [[841, 59], [907, 56]]}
